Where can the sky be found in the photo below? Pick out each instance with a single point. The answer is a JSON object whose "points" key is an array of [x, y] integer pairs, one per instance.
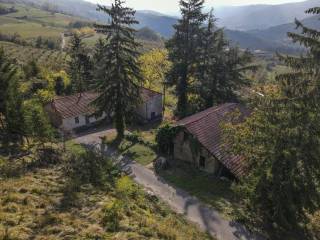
{"points": [[171, 6]]}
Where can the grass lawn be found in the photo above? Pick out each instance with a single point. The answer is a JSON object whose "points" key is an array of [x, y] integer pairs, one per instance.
{"points": [[140, 153], [74, 147], [215, 192], [136, 151]]}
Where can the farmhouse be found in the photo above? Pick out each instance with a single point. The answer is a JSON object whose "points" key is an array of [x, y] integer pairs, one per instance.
{"points": [[76, 111], [199, 141]]}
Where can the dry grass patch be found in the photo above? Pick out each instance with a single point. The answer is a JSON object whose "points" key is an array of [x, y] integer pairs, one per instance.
{"points": [[33, 206]]}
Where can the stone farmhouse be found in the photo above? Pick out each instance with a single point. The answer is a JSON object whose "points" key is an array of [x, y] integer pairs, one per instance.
{"points": [[199, 142], [76, 111]]}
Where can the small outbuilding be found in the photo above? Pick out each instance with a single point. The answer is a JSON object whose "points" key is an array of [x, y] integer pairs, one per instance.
{"points": [[200, 142], [76, 111]]}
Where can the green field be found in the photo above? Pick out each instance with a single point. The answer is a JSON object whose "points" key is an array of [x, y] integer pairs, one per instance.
{"points": [[30, 22]]}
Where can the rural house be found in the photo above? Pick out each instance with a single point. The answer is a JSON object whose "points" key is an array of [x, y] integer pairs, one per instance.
{"points": [[76, 111], [199, 141]]}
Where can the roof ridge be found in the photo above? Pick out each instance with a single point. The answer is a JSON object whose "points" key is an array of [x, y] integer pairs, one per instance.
{"points": [[217, 108], [148, 89], [75, 95]]}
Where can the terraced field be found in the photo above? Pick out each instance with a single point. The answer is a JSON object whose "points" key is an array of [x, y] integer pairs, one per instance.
{"points": [[54, 60]]}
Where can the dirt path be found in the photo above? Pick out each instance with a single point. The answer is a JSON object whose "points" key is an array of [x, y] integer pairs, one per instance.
{"points": [[194, 210], [63, 41]]}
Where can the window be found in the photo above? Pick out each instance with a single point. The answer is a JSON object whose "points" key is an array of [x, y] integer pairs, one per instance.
{"points": [[202, 162], [76, 120], [87, 120]]}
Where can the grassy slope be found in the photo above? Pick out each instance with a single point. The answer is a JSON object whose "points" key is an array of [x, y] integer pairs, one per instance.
{"points": [[32, 207], [48, 58], [31, 22]]}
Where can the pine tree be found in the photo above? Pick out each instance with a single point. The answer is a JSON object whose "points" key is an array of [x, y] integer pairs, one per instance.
{"points": [[281, 143], [80, 65], [183, 50], [37, 125], [212, 62], [11, 122], [118, 73], [221, 70]]}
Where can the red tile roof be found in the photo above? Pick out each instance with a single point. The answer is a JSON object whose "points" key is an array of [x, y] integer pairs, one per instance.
{"points": [[206, 127], [76, 105]]}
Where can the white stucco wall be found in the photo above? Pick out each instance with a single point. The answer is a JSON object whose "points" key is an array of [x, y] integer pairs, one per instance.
{"points": [[145, 110], [70, 123]]}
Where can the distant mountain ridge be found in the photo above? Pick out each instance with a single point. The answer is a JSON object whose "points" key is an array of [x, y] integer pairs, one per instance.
{"points": [[252, 17], [267, 38]]}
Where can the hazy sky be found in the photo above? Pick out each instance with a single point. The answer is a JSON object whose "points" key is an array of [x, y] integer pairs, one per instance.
{"points": [[171, 6]]}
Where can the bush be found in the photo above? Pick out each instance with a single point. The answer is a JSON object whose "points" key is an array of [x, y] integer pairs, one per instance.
{"points": [[135, 137], [91, 168], [112, 215], [126, 188], [314, 225]]}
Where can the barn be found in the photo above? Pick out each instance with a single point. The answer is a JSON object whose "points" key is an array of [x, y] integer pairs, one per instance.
{"points": [[200, 142]]}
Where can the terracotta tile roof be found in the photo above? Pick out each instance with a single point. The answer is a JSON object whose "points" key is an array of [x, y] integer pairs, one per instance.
{"points": [[76, 105], [206, 127]]}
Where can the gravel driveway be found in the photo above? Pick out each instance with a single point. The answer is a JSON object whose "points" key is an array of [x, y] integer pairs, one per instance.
{"points": [[181, 202]]}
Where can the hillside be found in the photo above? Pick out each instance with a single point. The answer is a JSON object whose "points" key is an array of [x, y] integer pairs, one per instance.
{"points": [[31, 22], [43, 202], [51, 59], [21, 28], [156, 21], [279, 33], [252, 17]]}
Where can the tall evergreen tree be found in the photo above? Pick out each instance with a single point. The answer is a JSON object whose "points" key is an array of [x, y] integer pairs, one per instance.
{"points": [[37, 125], [281, 142], [11, 120], [80, 66], [221, 67], [118, 73], [183, 50]]}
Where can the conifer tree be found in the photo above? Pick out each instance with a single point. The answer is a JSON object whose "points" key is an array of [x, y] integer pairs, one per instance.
{"points": [[80, 65], [183, 50], [37, 125], [118, 73], [221, 68], [11, 122], [281, 142]]}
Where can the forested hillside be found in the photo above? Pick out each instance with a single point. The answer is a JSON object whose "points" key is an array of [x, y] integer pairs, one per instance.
{"points": [[174, 128]]}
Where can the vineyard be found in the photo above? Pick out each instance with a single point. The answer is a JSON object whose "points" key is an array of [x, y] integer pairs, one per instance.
{"points": [[54, 60]]}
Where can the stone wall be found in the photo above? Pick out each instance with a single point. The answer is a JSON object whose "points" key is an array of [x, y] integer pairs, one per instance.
{"points": [[183, 152], [146, 110]]}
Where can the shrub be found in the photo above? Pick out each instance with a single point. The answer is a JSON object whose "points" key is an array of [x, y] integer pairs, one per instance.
{"points": [[112, 215], [126, 188], [91, 167], [314, 225], [135, 137]]}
